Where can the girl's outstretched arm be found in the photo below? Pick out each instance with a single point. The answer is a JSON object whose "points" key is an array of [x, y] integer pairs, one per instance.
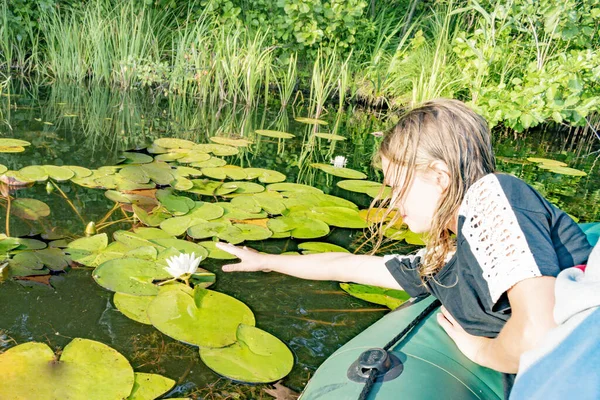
{"points": [[532, 304], [343, 267]]}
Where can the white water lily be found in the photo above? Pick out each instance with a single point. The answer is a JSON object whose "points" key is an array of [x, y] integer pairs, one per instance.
{"points": [[339, 161], [182, 264]]}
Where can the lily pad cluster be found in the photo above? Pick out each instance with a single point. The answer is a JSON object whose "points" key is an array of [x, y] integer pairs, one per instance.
{"points": [[29, 257], [134, 266], [558, 167], [84, 370], [8, 145]]}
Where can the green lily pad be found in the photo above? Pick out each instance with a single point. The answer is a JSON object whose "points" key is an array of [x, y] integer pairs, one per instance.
{"points": [[59, 173], [205, 318], [217, 149], [85, 370], [239, 233], [232, 212], [30, 209], [207, 187], [342, 172], [34, 173], [12, 149], [376, 192], [7, 142], [547, 161], [264, 175], [201, 214], [247, 188], [311, 121], [298, 227], [154, 218], [208, 229], [14, 178], [188, 171], [134, 307], [174, 143], [310, 200], [329, 136], [177, 205], [135, 158], [182, 246], [390, 298], [193, 156], [230, 142], [320, 247], [214, 252], [334, 216], [359, 186], [212, 162], [3, 168], [130, 275], [150, 386], [23, 243], [292, 187], [152, 233], [563, 170], [274, 134], [182, 184], [80, 172], [228, 171], [255, 357], [52, 258], [154, 149], [270, 201]]}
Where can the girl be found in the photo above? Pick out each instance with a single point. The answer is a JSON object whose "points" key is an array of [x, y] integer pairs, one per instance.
{"points": [[494, 244]]}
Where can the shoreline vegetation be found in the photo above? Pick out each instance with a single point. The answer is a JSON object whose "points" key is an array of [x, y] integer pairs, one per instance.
{"points": [[520, 64]]}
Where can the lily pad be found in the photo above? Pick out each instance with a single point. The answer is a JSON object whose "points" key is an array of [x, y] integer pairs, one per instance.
{"points": [[217, 149], [547, 161], [239, 233], [359, 186], [230, 142], [274, 134], [205, 318], [31, 209], [334, 216], [207, 187], [264, 175], [188, 171], [134, 307], [563, 170], [342, 172], [154, 218], [212, 162], [34, 172], [234, 213], [228, 171], [292, 187], [208, 229], [216, 253], [247, 188], [201, 214], [299, 227], [391, 298], [80, 172], [3, 168], [7, 142], [311, 121], [174, 143], [177, 205], [85, 370], [270, 201], [320, 247], [59, 173], [150, 386], [130, 275], [135, 158], [152, 233], [329, 136], [310, 200], [255, 357]]}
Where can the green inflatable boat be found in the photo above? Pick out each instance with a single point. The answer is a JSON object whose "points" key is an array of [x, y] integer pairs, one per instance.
{"points": [[424, 364]]}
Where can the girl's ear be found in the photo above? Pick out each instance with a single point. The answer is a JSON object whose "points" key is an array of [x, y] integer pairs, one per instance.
{"points": [[441, 174]]}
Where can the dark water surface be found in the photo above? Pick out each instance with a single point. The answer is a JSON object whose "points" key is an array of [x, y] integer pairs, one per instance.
{"points": [[90, 127]]}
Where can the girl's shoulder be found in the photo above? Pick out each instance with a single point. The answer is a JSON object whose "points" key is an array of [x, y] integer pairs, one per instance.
{"points": [[503, 190]]}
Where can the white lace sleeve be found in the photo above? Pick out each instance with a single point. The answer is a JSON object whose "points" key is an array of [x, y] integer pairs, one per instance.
{"points": [[410, 258], [495, 238]]}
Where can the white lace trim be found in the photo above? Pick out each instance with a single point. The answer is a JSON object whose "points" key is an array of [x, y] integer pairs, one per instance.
{"points": [[495, 237], [410, 258]]}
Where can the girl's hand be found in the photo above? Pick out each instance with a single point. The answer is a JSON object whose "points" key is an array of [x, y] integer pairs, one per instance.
{"points": [[469, 345], [251, 259]]}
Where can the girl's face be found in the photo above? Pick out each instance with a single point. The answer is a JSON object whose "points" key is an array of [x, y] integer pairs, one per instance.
{"points": [[421, 200]]}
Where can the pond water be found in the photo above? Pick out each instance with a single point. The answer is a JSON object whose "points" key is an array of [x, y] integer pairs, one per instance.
{"points": [[91, 127]]}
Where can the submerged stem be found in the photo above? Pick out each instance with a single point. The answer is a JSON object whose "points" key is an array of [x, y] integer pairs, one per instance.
{"points": [[69, 202]]}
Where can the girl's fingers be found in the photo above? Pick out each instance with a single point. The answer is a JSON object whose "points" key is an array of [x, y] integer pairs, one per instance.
{"points": [[228, 247]]}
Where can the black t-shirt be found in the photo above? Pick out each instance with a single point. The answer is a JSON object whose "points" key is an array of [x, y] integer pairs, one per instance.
{"points": [[507, 232]]}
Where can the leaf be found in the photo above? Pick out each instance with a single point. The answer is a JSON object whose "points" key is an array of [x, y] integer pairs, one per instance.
{"points": [[340, 171], [311, 121], [280, 392], [255, 357], [204, 318], [274, 134], [30, 209], [320, 247], [390, 298], [329, 136], [130, 275], [85, 370], [150, 386]]}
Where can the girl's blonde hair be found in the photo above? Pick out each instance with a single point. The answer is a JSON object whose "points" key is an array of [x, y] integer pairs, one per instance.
{"points": [[448, 131]]}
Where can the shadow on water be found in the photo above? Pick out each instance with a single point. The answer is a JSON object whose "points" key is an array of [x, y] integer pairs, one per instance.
{"points": [[90, 127]]}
